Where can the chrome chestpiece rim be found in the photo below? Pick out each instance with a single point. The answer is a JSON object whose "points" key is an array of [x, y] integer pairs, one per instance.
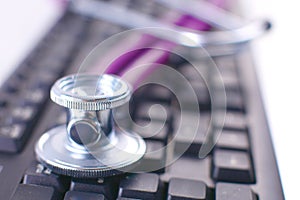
{"points": [[90, 145], [89, 92]]}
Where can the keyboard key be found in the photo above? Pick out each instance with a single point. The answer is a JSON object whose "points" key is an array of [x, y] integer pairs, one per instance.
{"points": [[75, 195], [12, 138], [235, 121], [45, 80], [153, 130], [229, 191], [186, 189], [23, 114], [35, 96], [187, 167], [37, 174], [233, 140], [3, 101], [234, 166], [188, 139], [202, 98], [154, 158], [33, 192], [234, 100], [12, 85], [140, 186], [107, 187], [153, 111], [230, 81], [155, 93]]}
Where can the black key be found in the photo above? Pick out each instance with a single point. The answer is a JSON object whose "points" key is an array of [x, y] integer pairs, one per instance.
{"points": [[234, 166], [199, 96], [226, 63], [33, 192], [233, 140], [3, 101], [154, 130], [229, 191], [23, 114], [230, 81], [188, 138], [51, 65], [187, 167], [45, 80], [75, 195], [34, 96], [140, 186], [12, 138], [186, 189], [234, 100], [153, 111], [37, 174], [155, 93], [235, 121], [107, 187], [192, 74], [12, 85], [154, 158]]}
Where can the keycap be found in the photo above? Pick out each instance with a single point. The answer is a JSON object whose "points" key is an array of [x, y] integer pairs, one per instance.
{"points": [[12, 137], [12, 85], [188, 138], [33, 192], [35, 96], [3, 101], [191, 74], [107, 187], [233, 166], [154, 158], [140, 186], [198, 169], [23, 114], [153, 130], [229, 191], [75, 195], [37, 174], [186, 189], [230, 81], [154, 111], [233, 140], [234, 100], [45, 80], [155, 93], [197, 96], [235, 121]]}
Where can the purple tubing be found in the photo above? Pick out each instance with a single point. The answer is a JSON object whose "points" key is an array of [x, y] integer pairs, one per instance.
{"points": [[123, 62]]}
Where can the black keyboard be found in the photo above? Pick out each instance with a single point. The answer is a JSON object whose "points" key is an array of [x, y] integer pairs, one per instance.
{"points": [[241, 166]]}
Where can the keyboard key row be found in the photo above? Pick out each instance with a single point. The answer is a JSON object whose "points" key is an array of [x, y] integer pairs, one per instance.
{"points": [[26, 91], [146, 186]]}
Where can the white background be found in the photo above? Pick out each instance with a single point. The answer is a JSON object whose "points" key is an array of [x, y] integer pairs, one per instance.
{"points": [[277, 55], [278, 65]]}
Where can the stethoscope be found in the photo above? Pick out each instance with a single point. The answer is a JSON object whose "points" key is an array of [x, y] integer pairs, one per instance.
{"points": [[90, 145], [234, 30]]}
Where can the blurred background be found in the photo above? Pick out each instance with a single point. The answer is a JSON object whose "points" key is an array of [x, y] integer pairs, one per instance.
{"points": [[23, 23]]}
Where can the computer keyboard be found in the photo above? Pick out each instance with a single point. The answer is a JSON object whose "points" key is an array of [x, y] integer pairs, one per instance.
{"points": [[242, 164]]}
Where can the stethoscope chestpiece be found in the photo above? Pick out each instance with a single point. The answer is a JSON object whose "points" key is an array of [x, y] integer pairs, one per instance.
{"points": [[90, 145]]}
